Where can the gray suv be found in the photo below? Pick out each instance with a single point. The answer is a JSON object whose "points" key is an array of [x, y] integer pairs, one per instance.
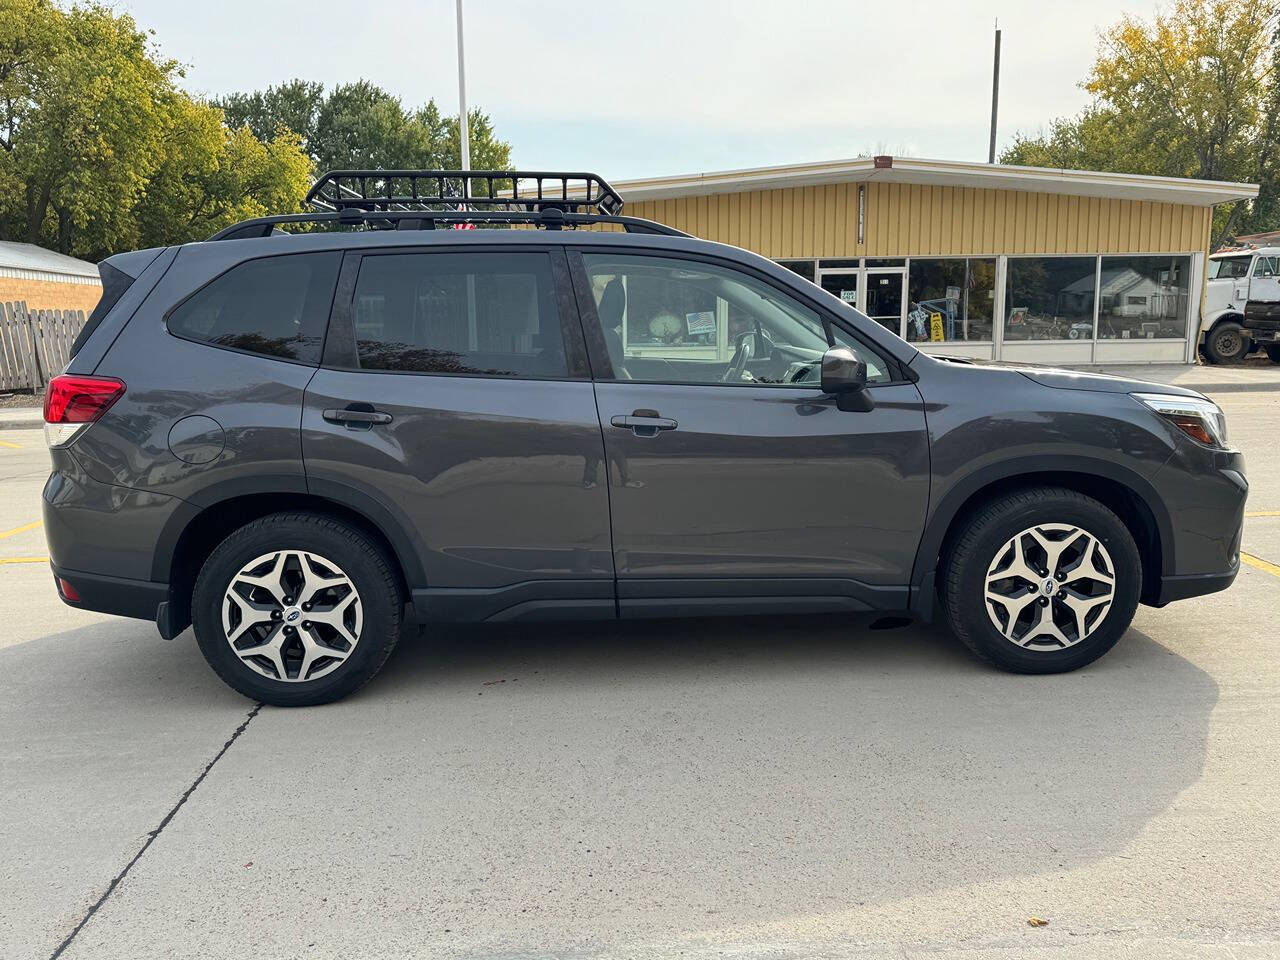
{"points": [[293, 440]]}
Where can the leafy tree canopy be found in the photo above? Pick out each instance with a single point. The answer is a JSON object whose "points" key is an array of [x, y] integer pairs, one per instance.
{"points": [[100, 150], [1193, 92], [360, 125]]}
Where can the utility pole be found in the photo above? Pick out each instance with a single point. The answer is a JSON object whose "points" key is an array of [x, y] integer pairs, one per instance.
{"points": [[995, 87], [463, 130]]}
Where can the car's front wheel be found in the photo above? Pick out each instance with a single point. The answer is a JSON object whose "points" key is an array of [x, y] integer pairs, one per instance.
{"points": [[296, 609], [1041, 581]]}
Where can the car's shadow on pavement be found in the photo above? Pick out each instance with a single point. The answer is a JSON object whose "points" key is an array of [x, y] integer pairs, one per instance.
{"points": [[673, 776], [813, 758]]}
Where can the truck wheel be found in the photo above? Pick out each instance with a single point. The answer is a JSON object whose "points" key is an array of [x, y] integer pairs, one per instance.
{"points": [[1044, 580], [1273, 352], [1226, 343], [296, 609]]}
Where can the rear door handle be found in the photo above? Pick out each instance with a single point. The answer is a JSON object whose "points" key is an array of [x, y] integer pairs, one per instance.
{"points": [[359, 416], [643, 423]]}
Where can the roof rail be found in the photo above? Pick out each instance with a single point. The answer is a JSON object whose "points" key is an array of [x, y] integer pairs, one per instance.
{"points": [[445, 189], [550, 218]]}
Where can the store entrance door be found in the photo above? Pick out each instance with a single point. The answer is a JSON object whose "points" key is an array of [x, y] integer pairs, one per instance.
{"points": [[843, 284], [884, 299], [876, 291]]}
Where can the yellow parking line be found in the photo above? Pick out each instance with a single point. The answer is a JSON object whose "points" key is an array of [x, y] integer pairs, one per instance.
{"points": [[1264, 513], [12, 446], [1264, 565], [45, 560], [22, 529]]}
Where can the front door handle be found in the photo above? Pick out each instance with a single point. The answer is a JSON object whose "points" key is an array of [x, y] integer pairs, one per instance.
{"points": [[644, 423], [356, 416]]}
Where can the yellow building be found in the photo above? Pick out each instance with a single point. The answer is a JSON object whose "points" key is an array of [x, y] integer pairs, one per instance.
{"points": [[973, 259]]}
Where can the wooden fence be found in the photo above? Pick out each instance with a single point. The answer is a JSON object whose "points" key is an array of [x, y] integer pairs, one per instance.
{"points": [[35, 344]]}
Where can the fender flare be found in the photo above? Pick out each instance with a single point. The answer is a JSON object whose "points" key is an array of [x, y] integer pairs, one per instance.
{"points": [[394, 527], [927, 553], [1228, 313]]}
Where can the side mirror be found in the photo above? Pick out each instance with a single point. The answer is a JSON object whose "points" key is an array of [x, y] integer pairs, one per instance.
{"points": [[845, 376]]}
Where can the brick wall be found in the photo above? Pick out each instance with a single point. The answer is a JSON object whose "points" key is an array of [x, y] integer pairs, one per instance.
{"points": [[50, 295]]}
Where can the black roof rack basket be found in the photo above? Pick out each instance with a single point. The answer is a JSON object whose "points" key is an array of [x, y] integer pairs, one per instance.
{"points": [[451, 190], [423, 199]]}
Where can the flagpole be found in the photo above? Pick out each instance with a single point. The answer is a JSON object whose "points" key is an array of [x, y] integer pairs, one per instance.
{"points": [[463, 124]]}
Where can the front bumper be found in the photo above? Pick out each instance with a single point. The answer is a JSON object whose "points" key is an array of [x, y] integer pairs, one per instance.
{"points": [[1204, 492], [1194, 585]]}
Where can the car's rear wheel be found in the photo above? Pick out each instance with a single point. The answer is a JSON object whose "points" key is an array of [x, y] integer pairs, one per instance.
{"points": [[296, 609], [1227, 343], [1041, 581]]}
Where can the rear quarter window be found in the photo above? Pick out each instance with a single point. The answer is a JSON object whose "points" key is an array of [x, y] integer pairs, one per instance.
{"points": [[274, 307]]}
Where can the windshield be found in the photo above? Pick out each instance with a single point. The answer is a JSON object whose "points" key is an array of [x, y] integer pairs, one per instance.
{"points": [[1229, 268]]}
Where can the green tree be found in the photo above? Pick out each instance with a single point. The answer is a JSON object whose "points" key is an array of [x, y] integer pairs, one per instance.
{"points": [[293, 105], [99, 149], [212, 176], [361, 126], [1190, 93], [84, 109]]}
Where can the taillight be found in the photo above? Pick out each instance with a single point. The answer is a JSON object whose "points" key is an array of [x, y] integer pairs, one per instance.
{"points": [[71, 403]]}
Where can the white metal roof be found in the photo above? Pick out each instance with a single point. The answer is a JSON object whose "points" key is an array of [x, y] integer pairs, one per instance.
{"points": [[953, 173], [29, 257]]}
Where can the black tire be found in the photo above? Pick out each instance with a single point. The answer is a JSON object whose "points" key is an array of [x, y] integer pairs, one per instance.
{"points": [[1273, 352], [985, 533], [1227, 343], [364, 564]]}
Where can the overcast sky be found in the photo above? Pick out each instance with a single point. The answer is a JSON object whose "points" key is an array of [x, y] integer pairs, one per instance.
{"points": [[637, 88]]}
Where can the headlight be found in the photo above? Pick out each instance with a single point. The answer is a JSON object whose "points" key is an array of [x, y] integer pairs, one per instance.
{"points": [[1200, 419]]}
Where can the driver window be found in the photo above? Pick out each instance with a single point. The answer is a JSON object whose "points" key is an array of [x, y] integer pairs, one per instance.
{"points": [[682, 321]]}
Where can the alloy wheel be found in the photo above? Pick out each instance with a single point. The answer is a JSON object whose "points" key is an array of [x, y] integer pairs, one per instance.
{"points": [[292, 616], [1050, 586]]}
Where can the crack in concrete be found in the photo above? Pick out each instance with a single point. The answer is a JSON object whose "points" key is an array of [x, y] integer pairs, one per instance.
{"points": [[186, 794]]}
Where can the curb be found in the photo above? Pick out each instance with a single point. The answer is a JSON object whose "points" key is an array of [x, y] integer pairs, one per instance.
{"points": [[21, 419], [1232, 387]]}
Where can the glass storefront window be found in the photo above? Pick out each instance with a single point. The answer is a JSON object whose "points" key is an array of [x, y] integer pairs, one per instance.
{"points": [[806, 268], [1143, 298], [1050, 298], [950, 299]]}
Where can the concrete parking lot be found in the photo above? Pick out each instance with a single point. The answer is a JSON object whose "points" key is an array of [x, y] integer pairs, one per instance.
{"points": [[752, 788]]}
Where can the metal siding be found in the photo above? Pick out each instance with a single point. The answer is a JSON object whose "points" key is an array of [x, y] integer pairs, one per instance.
{"points": [[915, 220]]}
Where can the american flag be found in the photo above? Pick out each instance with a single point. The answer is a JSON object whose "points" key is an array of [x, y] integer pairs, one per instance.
{"points": [[462, 208]]}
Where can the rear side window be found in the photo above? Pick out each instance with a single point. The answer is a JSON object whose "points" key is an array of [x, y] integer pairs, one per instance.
{"points": [[483, 314], [115, 283], [276, 307]]}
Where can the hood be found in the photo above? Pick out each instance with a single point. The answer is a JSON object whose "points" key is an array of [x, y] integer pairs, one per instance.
{"points": [[1099, 382]]}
